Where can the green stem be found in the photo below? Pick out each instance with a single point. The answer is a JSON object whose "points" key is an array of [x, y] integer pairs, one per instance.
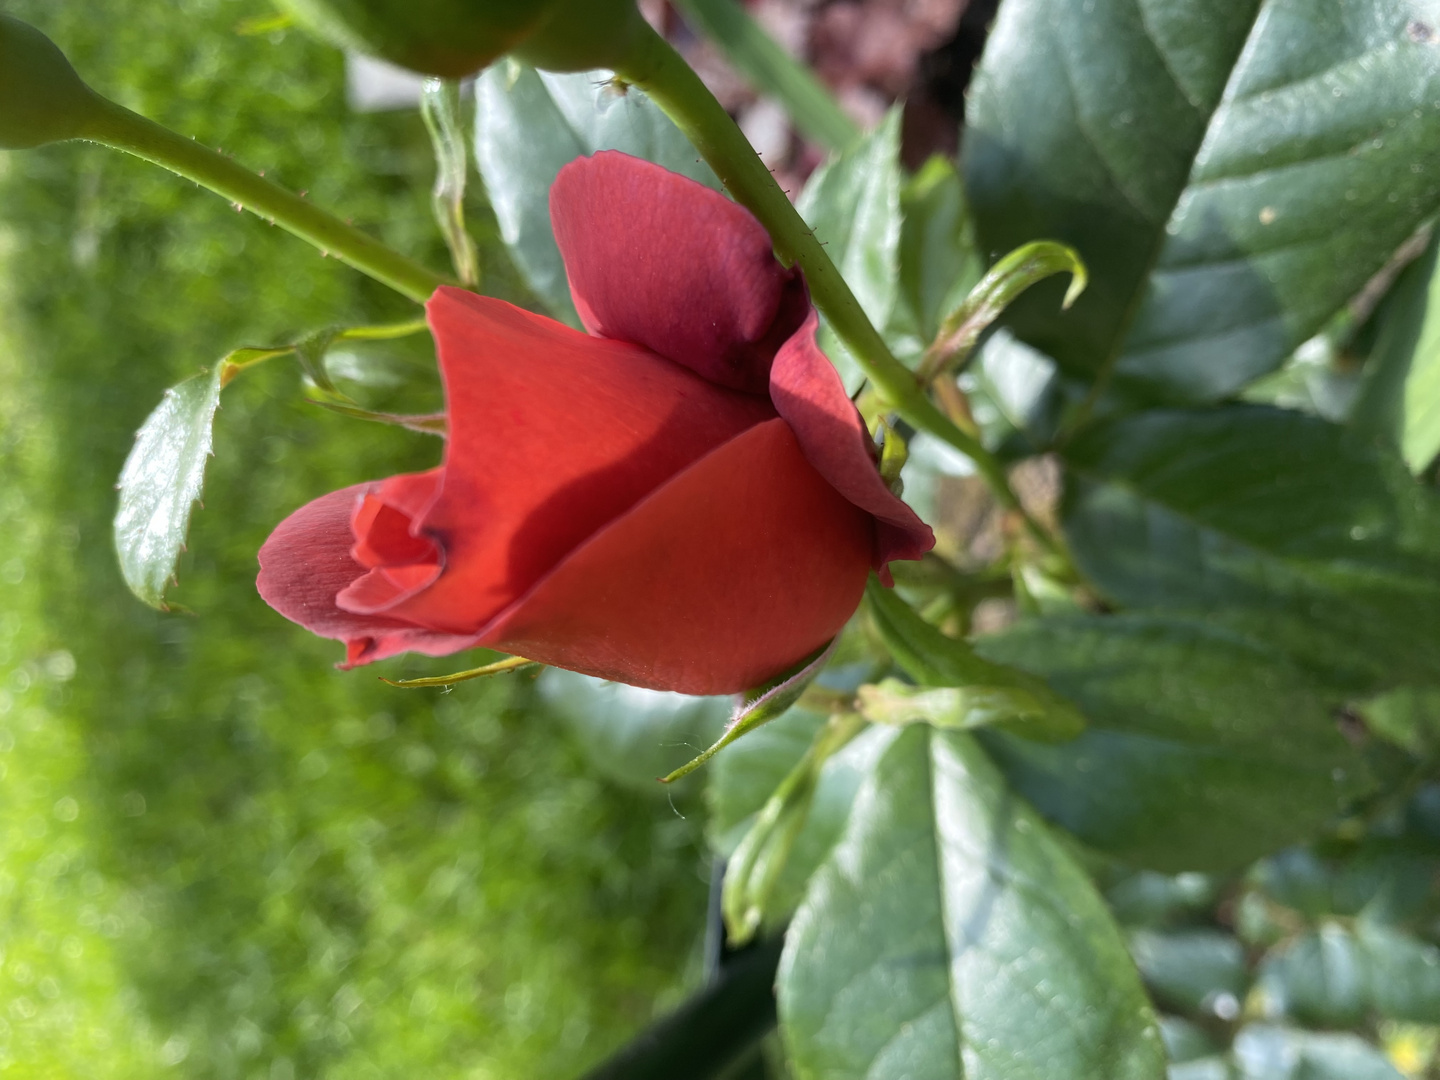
{"points": [[118, 127], [656, 68]]}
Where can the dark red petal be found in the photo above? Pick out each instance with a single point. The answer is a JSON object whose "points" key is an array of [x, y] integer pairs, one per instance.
{"points": [[734, 570], [306, 562], [553, 434], [658, 259], [808, 393]]}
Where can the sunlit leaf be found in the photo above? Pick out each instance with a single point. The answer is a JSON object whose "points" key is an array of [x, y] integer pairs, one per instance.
{"points": [[950, 936], [1231, 172], [852, 202], [1282, 525], [1205, 748], [1400, 396], [162, 480]]}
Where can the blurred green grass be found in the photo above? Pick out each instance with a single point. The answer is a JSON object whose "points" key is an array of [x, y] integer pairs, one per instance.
{"points": [[217, 854]]}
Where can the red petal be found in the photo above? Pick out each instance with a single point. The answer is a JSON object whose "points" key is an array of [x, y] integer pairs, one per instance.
{"points": [[808, 393], [553, 434], [307, 561], [402, 560], [734, 570], [658, 259]]}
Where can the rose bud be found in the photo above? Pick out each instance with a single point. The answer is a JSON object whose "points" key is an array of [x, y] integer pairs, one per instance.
{"points": [[684, 498], [42, 100], [455, 38]]}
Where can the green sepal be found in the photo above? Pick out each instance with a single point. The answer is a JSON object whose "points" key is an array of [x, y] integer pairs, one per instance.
{"points": [[499, 667], [761, 705], [753, 870], [933, 659], [998, 289]]}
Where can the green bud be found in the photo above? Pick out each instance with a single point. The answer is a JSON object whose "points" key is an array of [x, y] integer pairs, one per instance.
{"points": [[579, 35], [448, 38], [42, 100]]}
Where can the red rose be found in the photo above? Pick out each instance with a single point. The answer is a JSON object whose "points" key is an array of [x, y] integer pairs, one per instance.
{"points": [[683, 499]]}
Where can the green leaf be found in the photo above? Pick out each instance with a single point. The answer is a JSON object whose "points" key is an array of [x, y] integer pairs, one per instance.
{"points": [[530, 124], [1206, 749], [1404, 973], [162, 479], [933, 659], [1400, 396], [949, 935], [756, 866], [759, 706], [1011, 275], [1320, 978], [772, 71], [939, 259], [852, 202], [744, 779], [1408, 716], [1382, 879], [1320, 538], [1336, 976], [963, 708], [1232, 172], [1262, 1052], [1149, 900], [628, 734], [1195, 971], [1186, 1041]]}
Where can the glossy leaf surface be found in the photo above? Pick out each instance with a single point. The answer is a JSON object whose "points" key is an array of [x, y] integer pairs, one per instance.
{"points": [[949, 936], [939, 260], [1205, 750], [1284, 523], [161, 481], [743, 778], [852, 202], [1400, 397], [1231, 172]]}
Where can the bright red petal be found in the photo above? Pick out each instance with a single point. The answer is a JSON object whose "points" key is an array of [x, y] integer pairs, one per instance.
{"points": [[306, 562], [808, 393], [738, 567], [553, 434], [657, 259]]}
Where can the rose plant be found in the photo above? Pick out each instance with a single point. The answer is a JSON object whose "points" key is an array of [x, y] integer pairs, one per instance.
{"points": [[964, 854]]}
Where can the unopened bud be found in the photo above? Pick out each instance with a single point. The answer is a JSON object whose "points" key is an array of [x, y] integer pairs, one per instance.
{"points": [[448, 38], [42, 100], [578, 35]]}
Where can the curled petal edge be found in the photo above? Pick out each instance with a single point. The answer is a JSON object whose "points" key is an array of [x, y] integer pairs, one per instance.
{"points": [[806, 390]]}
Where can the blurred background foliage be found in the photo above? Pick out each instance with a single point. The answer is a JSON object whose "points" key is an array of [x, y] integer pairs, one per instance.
{"points": [[217, 852]]}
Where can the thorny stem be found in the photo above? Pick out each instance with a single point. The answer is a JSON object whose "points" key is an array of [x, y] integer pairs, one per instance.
{"points": [[656, 68], [116, 126]]}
